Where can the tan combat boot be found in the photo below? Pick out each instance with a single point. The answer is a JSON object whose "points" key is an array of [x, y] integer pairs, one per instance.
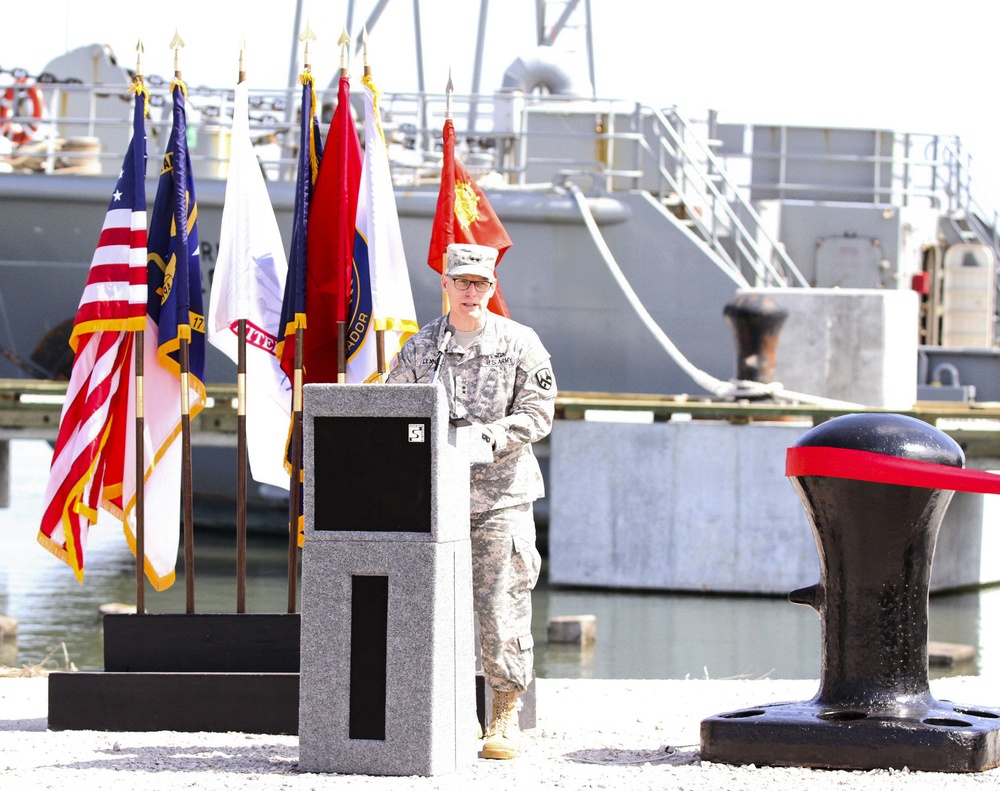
{"points": [[503, 737]]}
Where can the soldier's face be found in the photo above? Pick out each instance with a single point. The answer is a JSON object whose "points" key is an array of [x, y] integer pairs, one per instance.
{"points": [[467, 307]]}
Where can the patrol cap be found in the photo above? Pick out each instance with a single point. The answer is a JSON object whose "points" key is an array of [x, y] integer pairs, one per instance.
{"points": [[471, 259]]}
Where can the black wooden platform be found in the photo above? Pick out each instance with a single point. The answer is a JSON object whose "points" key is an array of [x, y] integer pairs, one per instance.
{"points": [[189, 673], [202, 672]]}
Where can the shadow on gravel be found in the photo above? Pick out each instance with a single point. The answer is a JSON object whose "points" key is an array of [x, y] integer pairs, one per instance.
{"points": [[255, 759], [36, 724], [609, 756]]}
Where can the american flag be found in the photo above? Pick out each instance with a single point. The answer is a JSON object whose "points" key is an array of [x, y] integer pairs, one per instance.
{"points": [[88, 462]]}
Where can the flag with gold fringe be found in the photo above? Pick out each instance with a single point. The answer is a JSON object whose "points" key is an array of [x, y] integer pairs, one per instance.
{"points": [[174, 311], [293, 304], [89, 459], [331, 242], [464, 216], [381, 298]]}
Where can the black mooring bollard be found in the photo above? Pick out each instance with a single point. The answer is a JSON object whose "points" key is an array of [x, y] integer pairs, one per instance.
{"points": [[876, 542], [756, 321]]}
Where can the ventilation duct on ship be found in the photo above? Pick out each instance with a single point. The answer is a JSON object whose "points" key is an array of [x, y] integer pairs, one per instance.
{"points": [[547, 70]]}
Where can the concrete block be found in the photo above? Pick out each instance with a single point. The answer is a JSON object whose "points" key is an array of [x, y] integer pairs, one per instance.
{"points": [[850, 344], [705, 506], [574, 629], [694, 506], [948, 654], [8, 627]]}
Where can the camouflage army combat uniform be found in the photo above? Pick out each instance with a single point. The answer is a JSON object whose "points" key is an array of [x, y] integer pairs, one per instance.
{"points": [[504, 384]]}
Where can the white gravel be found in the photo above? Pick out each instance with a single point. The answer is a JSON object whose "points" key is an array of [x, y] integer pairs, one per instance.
{"points": [[591, 734]]}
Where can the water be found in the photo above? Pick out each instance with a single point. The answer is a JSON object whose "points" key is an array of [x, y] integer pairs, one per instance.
{"points": [[639, 635]]}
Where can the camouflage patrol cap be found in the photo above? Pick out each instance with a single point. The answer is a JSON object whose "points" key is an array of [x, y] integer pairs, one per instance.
{"points": [[471, 259]]}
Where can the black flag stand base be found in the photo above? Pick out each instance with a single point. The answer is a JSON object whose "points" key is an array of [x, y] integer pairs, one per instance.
{"points": [[187, 673]]}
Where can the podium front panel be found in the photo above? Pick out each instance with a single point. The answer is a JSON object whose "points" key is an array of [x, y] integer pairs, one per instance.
{"points": [[372, 474]]}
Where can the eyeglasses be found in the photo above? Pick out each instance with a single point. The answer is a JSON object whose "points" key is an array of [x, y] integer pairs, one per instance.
{"points": [[462, 283]]}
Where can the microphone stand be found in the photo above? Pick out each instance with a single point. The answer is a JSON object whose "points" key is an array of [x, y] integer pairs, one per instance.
{"points": [[449, 331]]}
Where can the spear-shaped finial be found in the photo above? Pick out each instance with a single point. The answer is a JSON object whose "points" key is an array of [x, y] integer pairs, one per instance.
{"points": [[307, 36], [243, 50], [364, 50], [139, 49], [449, 89], [345, 45], [177, 44]]}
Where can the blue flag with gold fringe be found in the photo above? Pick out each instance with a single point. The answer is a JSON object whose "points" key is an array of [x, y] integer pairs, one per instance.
{"points": [[293, 305], [175, 302], [174, 310]]}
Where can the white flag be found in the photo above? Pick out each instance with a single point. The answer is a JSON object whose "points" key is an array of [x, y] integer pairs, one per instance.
{"points": [[381, 298], [248, 284]]}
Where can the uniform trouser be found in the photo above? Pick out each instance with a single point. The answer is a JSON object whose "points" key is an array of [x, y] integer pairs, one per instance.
{"points": [[505, 566]]}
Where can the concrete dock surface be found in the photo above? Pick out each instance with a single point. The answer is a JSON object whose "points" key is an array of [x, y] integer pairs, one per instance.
{"points": [[591, 734]]}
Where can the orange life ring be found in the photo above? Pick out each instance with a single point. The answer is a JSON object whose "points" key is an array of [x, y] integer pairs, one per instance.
{"points": [[21, 90]]}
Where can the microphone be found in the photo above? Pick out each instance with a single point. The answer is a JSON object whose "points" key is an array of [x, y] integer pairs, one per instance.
{"points": [[448, 333]]}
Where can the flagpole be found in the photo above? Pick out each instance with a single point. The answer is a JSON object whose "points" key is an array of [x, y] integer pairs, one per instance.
{"points": [[294, 506], [295, 482], [140, 499], [380, 365], [449, 89], [241, 440], [241, 467], [344, 288], [139, 339], [187, 478]]}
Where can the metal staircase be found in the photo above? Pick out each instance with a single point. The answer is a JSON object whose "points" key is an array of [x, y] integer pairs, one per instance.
{"points": [[689, 179], [972, 211]]}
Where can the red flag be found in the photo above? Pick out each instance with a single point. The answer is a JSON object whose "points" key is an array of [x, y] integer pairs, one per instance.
{"points": [[330, 248], [464, 216]]}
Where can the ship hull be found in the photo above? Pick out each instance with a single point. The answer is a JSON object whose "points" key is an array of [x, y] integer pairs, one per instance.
{"points": [[554, 278]]}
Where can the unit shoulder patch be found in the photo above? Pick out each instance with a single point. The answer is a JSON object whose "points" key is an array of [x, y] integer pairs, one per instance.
{"points": [[544, 378]]}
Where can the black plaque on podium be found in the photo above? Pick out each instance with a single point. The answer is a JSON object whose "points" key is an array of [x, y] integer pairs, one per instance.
{"points": [[372, 474]]}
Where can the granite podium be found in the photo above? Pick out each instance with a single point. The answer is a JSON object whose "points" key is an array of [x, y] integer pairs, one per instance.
{"points": [[387, 658]]}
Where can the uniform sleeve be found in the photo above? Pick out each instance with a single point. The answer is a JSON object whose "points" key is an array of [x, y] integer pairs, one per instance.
{"points": [[405, 371], [533, 407]]}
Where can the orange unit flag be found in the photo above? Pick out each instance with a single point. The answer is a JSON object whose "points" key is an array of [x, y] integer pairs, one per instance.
{"points": [[464, 216]]}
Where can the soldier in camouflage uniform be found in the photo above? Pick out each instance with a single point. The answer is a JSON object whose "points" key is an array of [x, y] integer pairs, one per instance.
{"points": [[497, 375]]}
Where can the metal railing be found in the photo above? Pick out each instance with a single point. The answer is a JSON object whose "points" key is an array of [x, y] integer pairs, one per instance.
{"points": [[906, 169], [713, 203], [615, 145], [976, 200]]}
